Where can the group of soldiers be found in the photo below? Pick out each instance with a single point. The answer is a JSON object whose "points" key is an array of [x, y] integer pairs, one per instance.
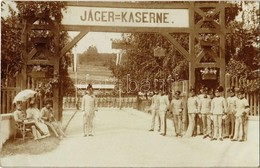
{"points": [[207, 113]]}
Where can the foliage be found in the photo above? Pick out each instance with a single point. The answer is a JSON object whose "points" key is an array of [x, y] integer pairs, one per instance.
{"points": [[34, 8], [11, 57], [141, 64], [12, 47], [92, 50]]}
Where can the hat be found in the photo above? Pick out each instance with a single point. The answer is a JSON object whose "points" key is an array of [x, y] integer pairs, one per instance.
{"points": [[177, 92], [241, 91], [89, 87], [192, 90], [231, 90], [219, 89]]}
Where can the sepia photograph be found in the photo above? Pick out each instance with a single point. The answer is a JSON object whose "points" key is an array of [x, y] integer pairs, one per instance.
{"points": [[129, 83]]}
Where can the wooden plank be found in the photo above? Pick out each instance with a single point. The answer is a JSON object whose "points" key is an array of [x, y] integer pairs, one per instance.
{"points": [[211, 5], [140, 5], [39, 62], [123, 29], [73, 42], [212, 30], [177, 46], [31, 53], [4, 102], [205, 65], [112, 29], [200, 12]]}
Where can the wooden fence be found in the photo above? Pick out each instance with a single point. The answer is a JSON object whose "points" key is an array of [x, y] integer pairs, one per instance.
{"points": [[7, 96], [131, 102], [251, 96]]}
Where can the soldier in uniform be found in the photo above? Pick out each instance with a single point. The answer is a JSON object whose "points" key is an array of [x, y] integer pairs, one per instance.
{"points": [[204, 108], [192, 105], [176, 107], [88, 108], [230, 119], [218, 109], [163, 107], [241, 112], [155, 111], [198, 117]]}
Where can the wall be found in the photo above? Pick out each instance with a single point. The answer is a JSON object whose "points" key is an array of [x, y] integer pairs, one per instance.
{"points": [[7, 127]]}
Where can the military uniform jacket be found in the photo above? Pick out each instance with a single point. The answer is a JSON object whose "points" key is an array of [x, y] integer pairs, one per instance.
{"points": [[176, 106], [88, 104], [242, 106], [231, 103], [218, 105], [192, 104]]}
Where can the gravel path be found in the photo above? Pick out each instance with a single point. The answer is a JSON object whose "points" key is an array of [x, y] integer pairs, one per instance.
{"points": [[122, 139]]}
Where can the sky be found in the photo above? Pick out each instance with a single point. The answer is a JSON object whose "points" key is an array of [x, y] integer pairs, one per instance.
{"points": [[99, 39]]}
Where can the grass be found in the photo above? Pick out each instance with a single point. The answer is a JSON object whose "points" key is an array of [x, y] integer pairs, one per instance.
{"points": [[29, 146]]}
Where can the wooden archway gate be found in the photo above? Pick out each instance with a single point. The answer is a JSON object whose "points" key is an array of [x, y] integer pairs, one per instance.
{"points": [[194, 29]]}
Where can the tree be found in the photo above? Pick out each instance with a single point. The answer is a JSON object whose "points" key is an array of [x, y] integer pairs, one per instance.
{"points": [[92, 50], [11, 41], [11, 58]]}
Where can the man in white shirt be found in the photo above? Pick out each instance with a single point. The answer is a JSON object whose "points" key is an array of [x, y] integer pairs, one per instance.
{"points": [[192, 105], [230, 119], [155, 110], [88, 107], [176, 107], [218, 109], [163, 107], [204, 108], [242, 109]]}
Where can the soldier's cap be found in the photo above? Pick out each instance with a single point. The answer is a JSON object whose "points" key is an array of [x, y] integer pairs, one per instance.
{"points": [[231, 90], [89, 87], [177, 92], [192, 90], [241, 91], [219, 89], [205, 89]]}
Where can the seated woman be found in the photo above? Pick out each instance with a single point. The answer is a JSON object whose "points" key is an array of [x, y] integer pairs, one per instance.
{"points": [[48, 118], [33, 113], [20, 117]]}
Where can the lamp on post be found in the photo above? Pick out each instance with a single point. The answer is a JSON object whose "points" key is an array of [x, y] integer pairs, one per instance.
{"points": [[159, 53]]}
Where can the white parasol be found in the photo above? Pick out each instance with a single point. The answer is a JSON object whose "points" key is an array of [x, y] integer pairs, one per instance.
{"points": [[24, 95]]}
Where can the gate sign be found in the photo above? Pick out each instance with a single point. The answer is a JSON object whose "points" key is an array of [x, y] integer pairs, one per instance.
{"points": [[126, 17]]}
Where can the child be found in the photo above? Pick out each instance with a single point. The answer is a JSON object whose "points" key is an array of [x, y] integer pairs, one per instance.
{"points": [[192, 104], [242, 109], [218, 109], [204, 108], [230, 119], [176, 107]]}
